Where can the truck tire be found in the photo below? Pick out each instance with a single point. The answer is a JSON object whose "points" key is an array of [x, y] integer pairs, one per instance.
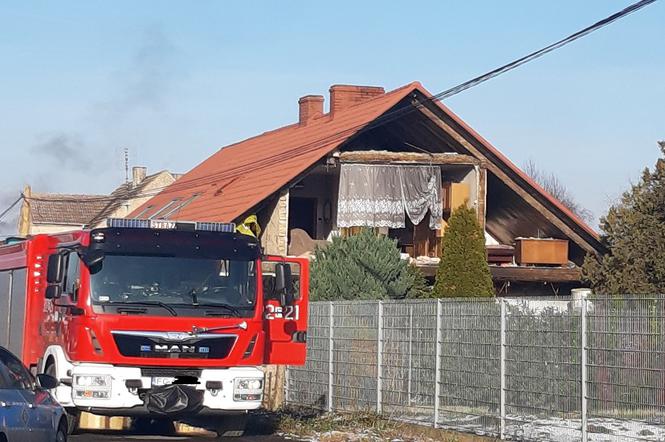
{"points": [[232, 426], [73, 415]]}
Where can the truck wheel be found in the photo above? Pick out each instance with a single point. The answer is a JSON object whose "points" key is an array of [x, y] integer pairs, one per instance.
{"points": [[72, 414], [149, 425], [232, 426]]}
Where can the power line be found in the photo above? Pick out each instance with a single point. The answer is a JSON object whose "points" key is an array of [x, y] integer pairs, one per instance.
{"points": [[6, 211], [539, 53], [386, 118]]}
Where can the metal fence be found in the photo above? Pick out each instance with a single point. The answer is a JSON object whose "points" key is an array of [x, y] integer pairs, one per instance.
{"points": [[517, 369]]}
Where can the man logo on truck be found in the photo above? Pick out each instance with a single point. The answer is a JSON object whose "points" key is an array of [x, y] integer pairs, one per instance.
{"points": [[175, 349]]}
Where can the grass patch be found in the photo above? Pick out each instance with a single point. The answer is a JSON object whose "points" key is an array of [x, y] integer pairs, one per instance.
{"points": [[306, 424]]}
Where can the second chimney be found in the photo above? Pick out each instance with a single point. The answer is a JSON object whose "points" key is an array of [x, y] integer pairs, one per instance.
{"points": [[138, 175], [311, 106], [343, 96]]}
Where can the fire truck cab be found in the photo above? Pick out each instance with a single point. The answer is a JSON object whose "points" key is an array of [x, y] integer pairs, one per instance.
{"points": [[153, 318]]}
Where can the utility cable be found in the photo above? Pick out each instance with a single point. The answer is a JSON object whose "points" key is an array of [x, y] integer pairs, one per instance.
{"points": [[11, 206], [289, 154]]}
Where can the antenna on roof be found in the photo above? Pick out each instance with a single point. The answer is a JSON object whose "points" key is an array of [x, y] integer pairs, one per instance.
{"points": [[126, 150]]}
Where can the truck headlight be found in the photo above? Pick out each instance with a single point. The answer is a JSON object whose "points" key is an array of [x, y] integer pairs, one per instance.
{"points": [[92, 381], [250, 389], [249, 384], [92, 386]]}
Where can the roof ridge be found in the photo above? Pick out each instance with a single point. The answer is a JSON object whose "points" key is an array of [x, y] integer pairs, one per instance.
{"points": [[413, 84], [55, 195], [324, 118]]}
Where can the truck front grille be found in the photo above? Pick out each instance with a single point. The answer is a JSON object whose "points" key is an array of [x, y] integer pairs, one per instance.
{"points": [[152, 345]]}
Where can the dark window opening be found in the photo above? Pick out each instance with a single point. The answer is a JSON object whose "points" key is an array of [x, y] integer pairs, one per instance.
{"points": [[302, 215]]}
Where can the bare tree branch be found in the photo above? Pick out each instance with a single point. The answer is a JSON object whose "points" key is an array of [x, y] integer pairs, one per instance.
{"points": [[553, 185]]}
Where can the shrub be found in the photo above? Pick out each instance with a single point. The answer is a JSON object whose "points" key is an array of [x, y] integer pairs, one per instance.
{"points": [[463, 270], [362, 266]]}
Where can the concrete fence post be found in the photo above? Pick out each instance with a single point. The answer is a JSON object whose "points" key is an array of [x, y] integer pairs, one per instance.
{"points": [[584, 374], [437, 363], [379, 358], [331, 320], [502, 365], [410, 362]]}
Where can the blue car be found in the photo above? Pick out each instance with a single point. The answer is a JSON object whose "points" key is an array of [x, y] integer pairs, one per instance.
{"points": [[28, 412]]}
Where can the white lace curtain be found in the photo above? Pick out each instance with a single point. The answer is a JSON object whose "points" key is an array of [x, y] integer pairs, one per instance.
{"points": [[383, 195]]}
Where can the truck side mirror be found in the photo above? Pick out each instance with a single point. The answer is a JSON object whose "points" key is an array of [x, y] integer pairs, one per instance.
{"points": [[56, 269], [53, 291]]}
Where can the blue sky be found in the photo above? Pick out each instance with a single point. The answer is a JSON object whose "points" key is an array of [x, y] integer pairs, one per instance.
{"points": [[174, 81]]}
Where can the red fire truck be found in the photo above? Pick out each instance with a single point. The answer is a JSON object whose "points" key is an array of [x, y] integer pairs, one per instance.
{"points": [[153, 318]]}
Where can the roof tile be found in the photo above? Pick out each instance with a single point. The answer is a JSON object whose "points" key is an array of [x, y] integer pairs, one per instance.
{"points": [[46, 208]]}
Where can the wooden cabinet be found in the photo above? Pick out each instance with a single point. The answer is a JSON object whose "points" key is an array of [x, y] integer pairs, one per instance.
{"points": [[454, 195], [541, 251]]}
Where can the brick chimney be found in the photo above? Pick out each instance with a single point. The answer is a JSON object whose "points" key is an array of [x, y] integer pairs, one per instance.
{"points": [[343, 96], [138, 175], [311, 106]]}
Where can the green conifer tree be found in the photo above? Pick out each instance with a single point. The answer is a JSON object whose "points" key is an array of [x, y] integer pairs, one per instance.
{"points": [[634, 235], [362, 266], [463, 270]]}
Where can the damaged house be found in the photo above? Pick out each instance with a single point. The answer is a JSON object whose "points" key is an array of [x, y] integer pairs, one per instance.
{"points": [[399, 162]]}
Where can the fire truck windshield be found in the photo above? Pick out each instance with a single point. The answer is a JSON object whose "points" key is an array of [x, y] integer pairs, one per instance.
{"points": [[183, 284]]}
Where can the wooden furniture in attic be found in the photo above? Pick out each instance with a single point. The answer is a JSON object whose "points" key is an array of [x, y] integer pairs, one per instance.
{"points": [[454, 195], [541, 251]]}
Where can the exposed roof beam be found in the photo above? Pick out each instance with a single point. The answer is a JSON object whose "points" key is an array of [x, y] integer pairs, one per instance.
{"points": [[523, 274], [384, 156]]}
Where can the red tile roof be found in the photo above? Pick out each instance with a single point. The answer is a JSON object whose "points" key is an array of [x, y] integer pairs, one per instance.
{"points": [[241, 175]]}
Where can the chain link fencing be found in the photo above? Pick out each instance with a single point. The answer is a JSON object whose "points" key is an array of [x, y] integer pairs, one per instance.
{"points": [[518, 369]]}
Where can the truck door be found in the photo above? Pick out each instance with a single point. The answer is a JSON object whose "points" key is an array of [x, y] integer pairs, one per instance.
{"points": [[285, 309]]}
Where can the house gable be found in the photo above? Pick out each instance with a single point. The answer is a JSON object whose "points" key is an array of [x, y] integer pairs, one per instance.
{"points": [[240, 178]]}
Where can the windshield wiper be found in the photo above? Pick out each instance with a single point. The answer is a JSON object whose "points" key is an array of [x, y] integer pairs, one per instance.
{"points": [[195, 297], [233, 310], [145, 303]]}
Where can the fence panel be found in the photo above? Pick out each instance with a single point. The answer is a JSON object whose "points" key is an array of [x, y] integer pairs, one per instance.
{"points": [[518, 375], [308, 385], [409, 332], [470, 366], [355, 355], [543, 369], [626, 365]]}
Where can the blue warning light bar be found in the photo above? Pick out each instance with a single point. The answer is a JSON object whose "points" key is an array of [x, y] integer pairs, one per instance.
{"points": [[166, 224]]}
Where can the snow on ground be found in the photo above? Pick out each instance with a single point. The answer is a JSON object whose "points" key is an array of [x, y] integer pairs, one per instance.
{"points": [[552, 429]]}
